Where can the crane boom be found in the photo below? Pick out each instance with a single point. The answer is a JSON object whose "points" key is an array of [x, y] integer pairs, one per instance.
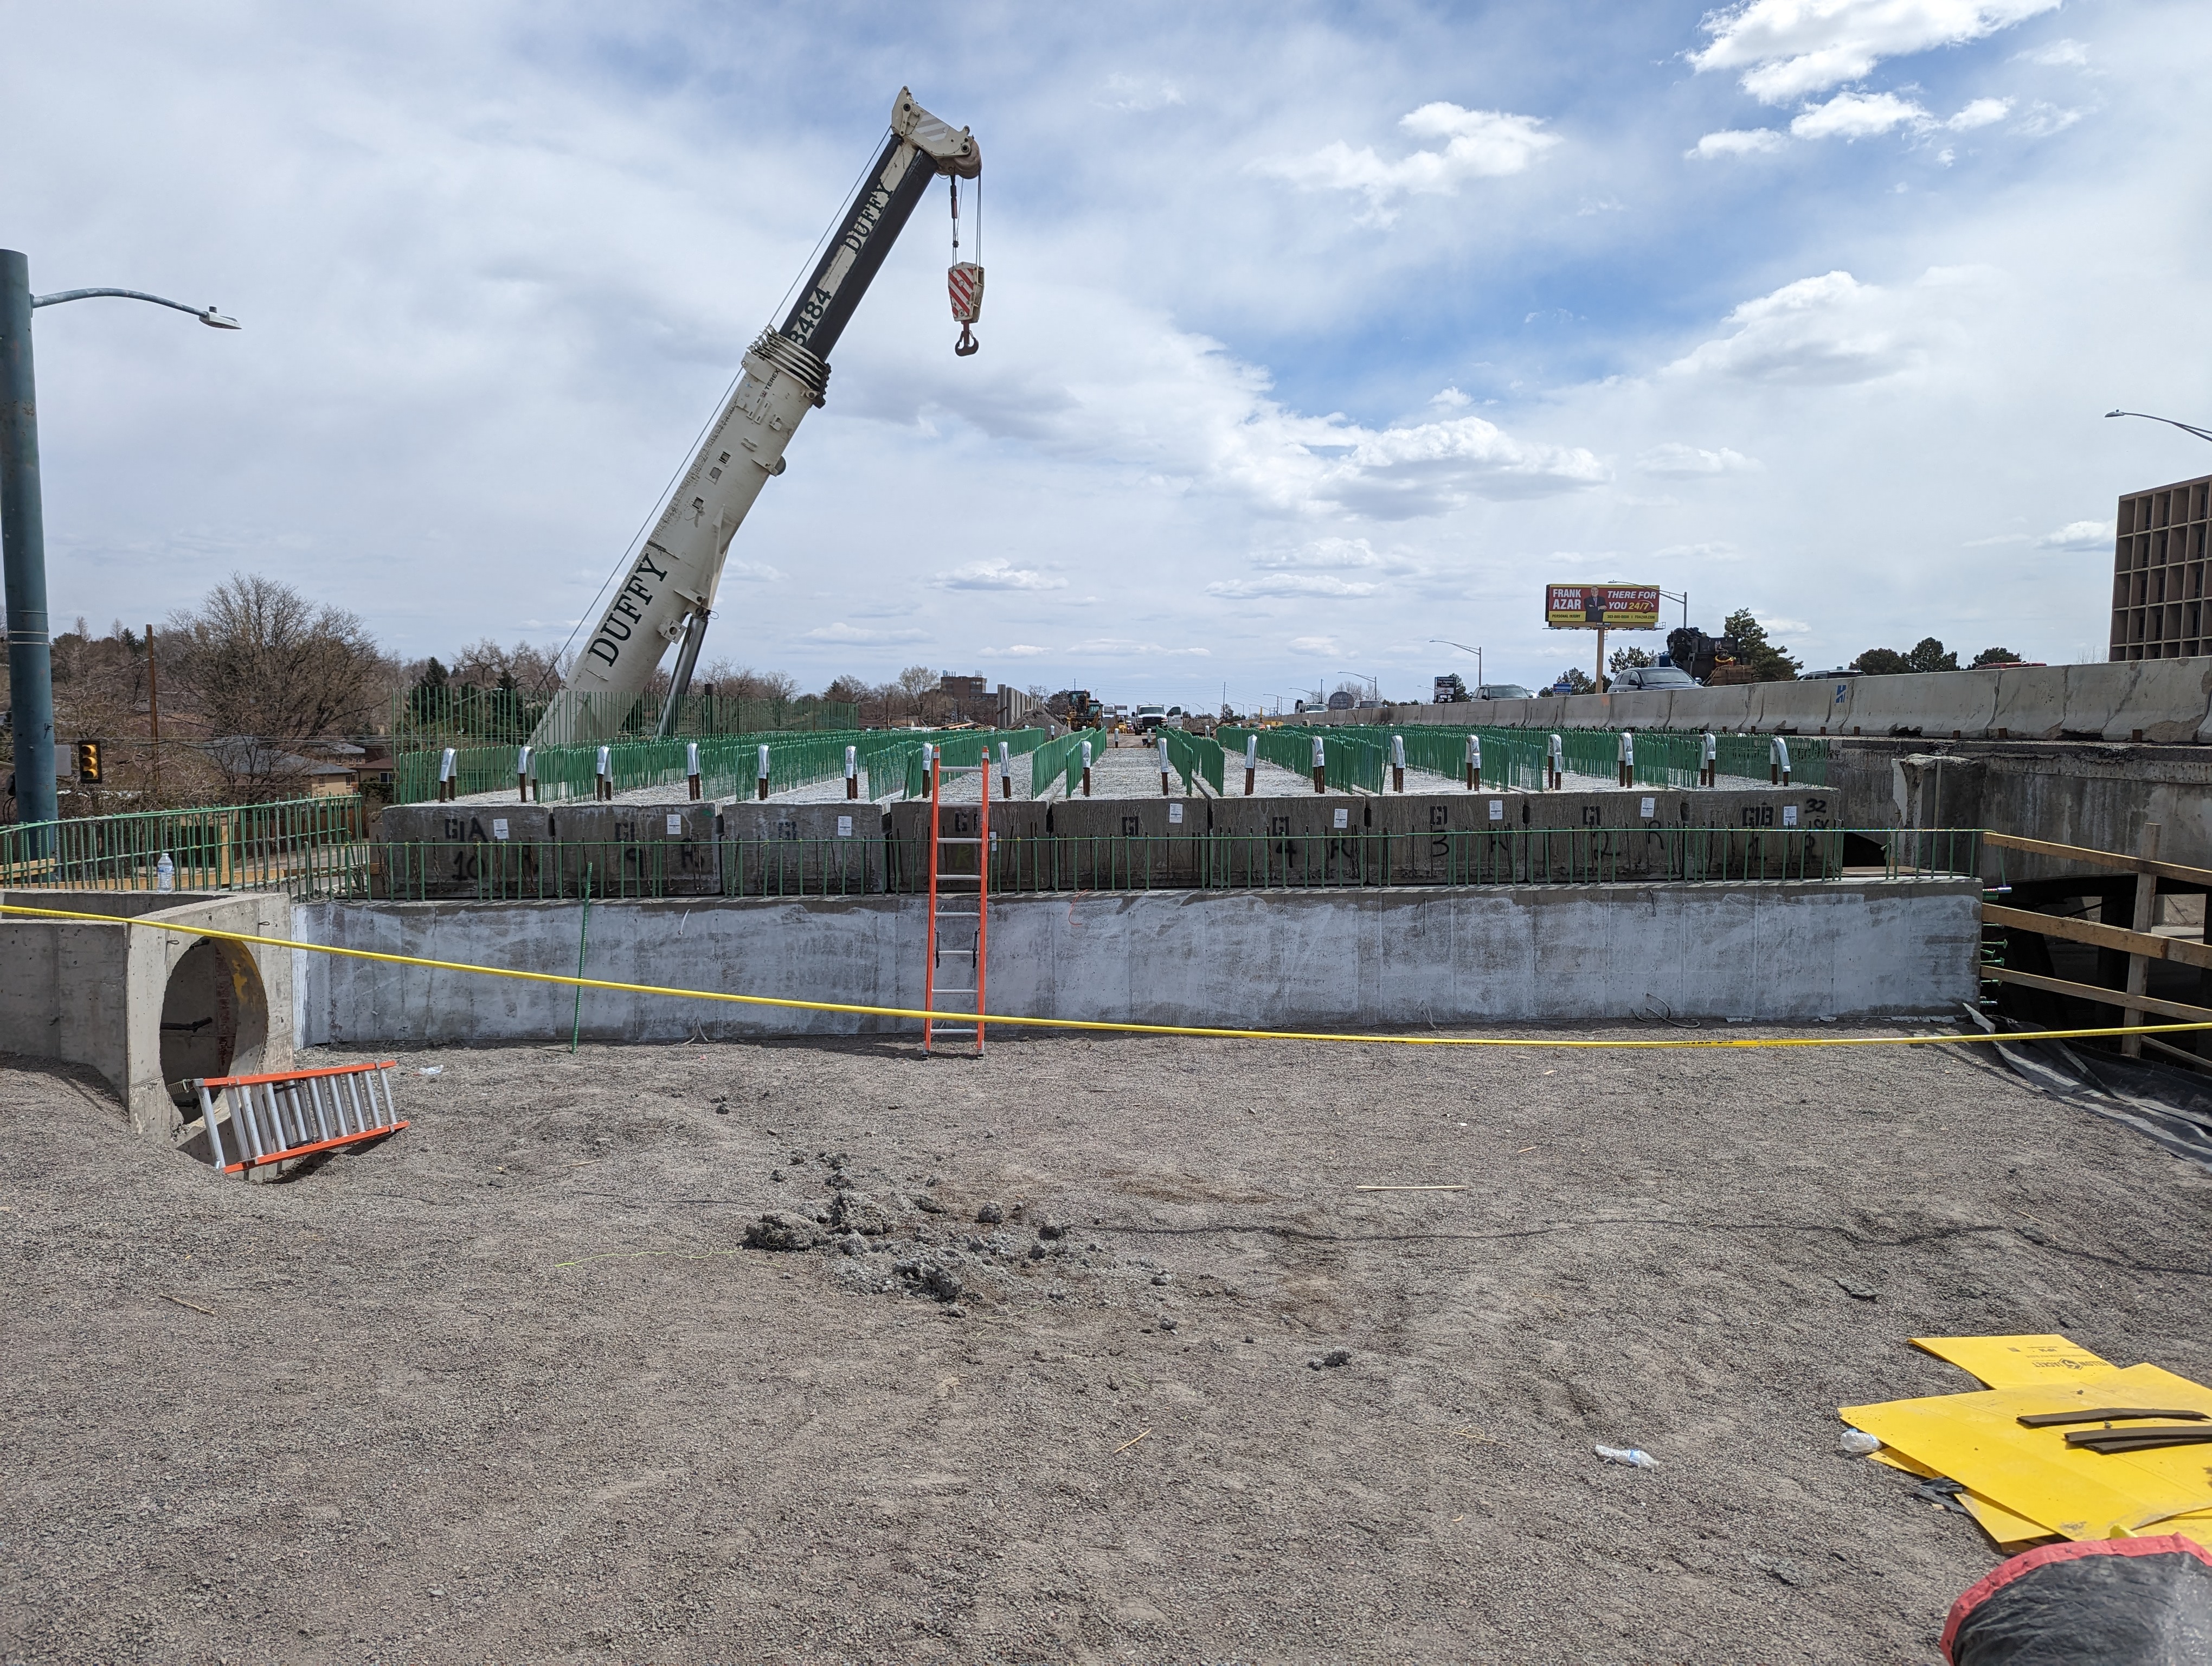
{"points": [[668, 592]]}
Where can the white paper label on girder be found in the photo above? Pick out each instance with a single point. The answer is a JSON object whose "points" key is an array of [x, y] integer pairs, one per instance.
{"points": [[498, 827], [1344, 818], [1498, 810], [1790, 814], [1650, 808], [675, 824], [1175, 813], [844, 827]]}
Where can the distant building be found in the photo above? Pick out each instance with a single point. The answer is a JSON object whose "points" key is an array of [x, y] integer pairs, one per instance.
{"points": [[2160, 610], [968, 696]]}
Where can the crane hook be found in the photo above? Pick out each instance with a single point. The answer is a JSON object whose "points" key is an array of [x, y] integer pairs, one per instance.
{"points": [[967, 344]]}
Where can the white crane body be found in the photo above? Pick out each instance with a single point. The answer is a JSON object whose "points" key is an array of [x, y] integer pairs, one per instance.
{"points": [[668, 593]]}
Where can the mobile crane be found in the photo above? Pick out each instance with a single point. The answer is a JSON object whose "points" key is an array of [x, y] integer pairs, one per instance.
{"points": [[668, 594]]}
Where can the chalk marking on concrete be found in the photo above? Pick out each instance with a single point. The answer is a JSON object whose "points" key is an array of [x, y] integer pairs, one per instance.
{"points": [[1113, 1026]]}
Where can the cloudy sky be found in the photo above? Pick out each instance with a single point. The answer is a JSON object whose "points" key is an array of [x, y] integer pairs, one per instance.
{"points": [[1313, 331]]}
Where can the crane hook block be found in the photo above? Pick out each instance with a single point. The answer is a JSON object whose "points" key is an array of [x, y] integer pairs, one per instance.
{"points": [[964, 283]]}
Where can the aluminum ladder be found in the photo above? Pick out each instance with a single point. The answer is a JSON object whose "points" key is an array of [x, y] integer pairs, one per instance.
{"points": [[959, 911]]}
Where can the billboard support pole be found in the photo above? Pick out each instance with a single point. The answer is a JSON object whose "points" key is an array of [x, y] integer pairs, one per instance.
{"points": [[1600, 659]]}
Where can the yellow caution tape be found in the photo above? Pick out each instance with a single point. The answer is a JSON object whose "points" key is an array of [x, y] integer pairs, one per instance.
{"points": [[1107, 1024]]}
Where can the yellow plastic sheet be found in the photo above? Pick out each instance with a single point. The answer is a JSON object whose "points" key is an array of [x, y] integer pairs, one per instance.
{"points": [[2011, 1532], [2015, 1362], [2032, 1474]]}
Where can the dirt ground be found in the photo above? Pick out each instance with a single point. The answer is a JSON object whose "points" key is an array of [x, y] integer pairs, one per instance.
{"points": [[509, 1388]]}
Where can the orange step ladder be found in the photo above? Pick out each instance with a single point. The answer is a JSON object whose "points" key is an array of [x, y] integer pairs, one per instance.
{"points": [[296, 1112], [959, 911]]}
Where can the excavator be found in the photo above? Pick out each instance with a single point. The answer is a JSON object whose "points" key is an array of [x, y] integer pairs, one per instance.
{"points": [[667, 594]]}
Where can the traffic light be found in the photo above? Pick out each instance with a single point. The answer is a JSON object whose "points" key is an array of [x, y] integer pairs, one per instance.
{"points": [[87, 761]]}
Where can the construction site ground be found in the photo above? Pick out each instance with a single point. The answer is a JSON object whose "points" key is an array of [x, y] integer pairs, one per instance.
{"points": [[509, 1388]]}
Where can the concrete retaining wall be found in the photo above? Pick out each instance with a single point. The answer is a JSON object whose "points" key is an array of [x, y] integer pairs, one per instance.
{"points": [[2151, 700], [1783, 953], [147, 1009]]}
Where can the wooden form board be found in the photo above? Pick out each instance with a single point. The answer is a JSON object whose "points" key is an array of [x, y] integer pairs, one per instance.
{"points": [[2074, 852], [2150, 944], [2097, 992]]}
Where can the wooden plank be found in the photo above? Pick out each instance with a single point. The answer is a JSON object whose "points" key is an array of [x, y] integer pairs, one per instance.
{"points": [[2181, 950], [2190, 876], [2059, 986]]}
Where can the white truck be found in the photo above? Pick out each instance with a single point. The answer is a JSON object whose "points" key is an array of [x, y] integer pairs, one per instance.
{"points": [[668, 595]]}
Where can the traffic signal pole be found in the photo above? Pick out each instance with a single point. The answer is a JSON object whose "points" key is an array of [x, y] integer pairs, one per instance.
{"points": [[23, 543]]}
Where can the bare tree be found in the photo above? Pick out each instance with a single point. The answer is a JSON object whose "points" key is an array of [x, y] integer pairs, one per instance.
{"points": [[487, 665], [266, 670]]}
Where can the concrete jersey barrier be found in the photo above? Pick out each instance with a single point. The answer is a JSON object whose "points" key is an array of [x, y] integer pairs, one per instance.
{"points": [[2165, 701]]}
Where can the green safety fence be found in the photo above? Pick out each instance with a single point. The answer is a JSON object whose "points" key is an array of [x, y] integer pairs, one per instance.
{"points": [[1061, 760], [965, 749], [1516, 757], [728, 764], [236, 846], [463, 714], [1196, 758]]}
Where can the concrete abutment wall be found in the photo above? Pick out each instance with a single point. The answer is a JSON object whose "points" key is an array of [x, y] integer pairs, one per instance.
{"points": [[1324, 960]]}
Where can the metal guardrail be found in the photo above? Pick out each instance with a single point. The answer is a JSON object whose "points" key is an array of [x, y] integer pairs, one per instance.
{"points": [[239, 847], [878, 865]]}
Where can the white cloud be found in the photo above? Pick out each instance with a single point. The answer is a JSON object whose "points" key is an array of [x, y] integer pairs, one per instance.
{"points": [[997, 574], [1672, 458], [1293, 584], [1736, 141], [1018, 651], [1313, 645], [1831, 329], [1980, 114], [2043, 119], [1857, 116], [1787, 48], [751, 572], [856, 636], [2057, 54], [1117, 647], [1776, 622], [1451, 399], [1698, 552], [1138, 92], [2079, 535], [1478, 144]]}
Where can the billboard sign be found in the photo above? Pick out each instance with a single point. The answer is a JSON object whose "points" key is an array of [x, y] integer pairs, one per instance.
{"points": [[1602, 606]]}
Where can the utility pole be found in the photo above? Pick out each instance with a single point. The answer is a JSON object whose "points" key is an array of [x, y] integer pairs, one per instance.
{"points": [[23, 535], [23, 543], [154, 716]]}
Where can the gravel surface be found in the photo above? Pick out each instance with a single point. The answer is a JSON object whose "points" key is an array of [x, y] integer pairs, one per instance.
{"points": [[1096, 1355]]}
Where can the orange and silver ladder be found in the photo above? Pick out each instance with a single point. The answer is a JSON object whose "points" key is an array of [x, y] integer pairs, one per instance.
{"points": [[290, 1114], [959, 912]]}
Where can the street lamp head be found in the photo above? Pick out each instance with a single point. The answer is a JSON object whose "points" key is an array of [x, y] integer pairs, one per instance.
{"points": [[2116, 413], [216, 321]]}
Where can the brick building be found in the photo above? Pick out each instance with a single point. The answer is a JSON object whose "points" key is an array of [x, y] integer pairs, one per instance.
{"points": [[2160, 610]]}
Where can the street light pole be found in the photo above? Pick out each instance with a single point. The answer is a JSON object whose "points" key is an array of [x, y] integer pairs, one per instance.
{"points": [[2186, 428], [23, 543], [23, 534], [1479, 679]]}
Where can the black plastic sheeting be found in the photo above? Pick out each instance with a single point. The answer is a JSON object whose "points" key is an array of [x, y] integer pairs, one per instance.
{"points": [[2112, 1602], [2171, 1107]]}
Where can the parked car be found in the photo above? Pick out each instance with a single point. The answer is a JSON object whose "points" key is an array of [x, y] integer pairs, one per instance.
{"points": [[1501, 692], [1652, 676]]}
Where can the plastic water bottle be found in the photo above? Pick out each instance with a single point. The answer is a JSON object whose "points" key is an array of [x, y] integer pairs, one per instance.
{"points": [[165, 873], [1858, 1443], [1634, 1456]]}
